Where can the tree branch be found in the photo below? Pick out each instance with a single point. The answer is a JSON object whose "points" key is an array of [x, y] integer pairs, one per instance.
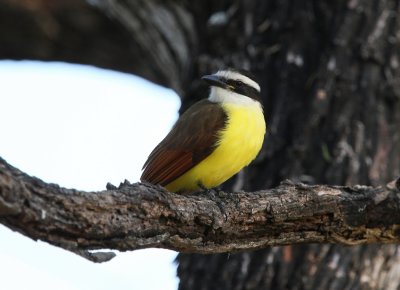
{"points": [[154, 39], [137, 216]]}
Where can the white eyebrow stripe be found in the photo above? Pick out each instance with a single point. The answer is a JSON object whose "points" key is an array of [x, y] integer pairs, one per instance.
{"points": [[228, 74]]}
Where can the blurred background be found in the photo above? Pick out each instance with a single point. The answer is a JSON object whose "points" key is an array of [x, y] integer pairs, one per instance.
{"points": [[80, 127]]}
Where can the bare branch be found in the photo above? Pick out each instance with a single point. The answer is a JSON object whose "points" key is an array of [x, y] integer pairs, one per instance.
{"points": [[137, 216], [154, 39]]}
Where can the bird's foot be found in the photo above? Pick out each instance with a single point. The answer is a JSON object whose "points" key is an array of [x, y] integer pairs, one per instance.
{"points": [[217, 193], [214, 194]]}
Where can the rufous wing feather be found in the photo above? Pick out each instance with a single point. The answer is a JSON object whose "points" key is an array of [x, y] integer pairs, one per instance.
{"points": [[190, 141]]}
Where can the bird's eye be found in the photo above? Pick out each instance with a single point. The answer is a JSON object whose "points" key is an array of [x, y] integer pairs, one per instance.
{"points": [[239, 83]]}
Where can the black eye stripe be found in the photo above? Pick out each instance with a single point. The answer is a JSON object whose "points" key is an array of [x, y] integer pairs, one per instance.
{"points": [[248, 91], [236, 83], [243, 88]]}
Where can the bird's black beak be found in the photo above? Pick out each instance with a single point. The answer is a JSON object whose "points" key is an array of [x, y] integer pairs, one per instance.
{"points": [[215, 81]]}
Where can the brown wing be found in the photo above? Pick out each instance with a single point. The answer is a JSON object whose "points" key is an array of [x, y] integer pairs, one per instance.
{"points": [[190, 141]]}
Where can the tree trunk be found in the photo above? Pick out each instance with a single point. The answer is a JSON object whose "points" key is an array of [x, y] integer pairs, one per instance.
{"points": [[330, 80], [329, 72]]}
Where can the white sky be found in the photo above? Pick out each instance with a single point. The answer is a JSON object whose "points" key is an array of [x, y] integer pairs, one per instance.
{"points": [[80, 127]]}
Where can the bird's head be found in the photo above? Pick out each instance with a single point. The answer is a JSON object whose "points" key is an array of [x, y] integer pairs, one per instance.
{"points": [[233, 86]]}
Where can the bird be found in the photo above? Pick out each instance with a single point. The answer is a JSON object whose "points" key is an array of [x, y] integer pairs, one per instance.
{"points": [[213, 139]]}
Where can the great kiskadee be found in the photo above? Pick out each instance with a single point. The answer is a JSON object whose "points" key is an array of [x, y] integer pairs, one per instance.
{"points": [[214, 139]]}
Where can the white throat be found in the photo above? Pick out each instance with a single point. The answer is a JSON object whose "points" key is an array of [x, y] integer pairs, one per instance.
{"points": [[219, 95]]}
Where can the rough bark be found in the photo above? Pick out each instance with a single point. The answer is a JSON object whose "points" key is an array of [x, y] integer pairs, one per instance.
{"points": [[142, 215], [330, 77], [329, 72]]}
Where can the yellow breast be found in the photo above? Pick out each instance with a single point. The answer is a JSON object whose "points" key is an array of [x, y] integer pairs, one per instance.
{"points": [[238, 145]]}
